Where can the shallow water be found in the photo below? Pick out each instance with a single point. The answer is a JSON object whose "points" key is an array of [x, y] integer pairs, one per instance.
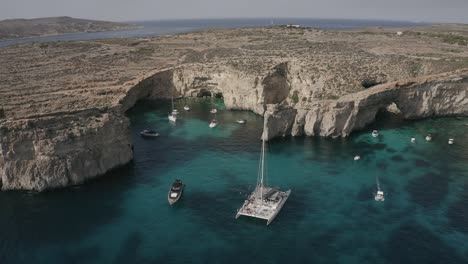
{"points": [[330, 217]]}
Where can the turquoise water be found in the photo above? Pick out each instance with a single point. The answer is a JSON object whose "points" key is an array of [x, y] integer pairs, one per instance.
{"points": [[330, 217]]}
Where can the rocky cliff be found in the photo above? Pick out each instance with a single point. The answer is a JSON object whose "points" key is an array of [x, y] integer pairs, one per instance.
{"points": [[61, 150], [272, 93], [63, 104]]}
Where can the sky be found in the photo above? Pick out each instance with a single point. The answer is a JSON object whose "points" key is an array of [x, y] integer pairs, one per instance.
{"points": [[134, 10]]}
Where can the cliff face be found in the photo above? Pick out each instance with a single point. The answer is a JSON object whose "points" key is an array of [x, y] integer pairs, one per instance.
{"points": [[63, 104], [273, 93], [57, 151]]}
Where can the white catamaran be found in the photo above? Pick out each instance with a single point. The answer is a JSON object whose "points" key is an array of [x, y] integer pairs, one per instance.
{"points": [[264, 202]]}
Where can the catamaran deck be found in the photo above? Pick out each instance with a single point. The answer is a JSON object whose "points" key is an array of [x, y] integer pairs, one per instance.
{"points": [[266, 208]]}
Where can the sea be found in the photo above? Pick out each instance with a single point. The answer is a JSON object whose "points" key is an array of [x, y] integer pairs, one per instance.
{"points": [[330, 217], [154, 28]]}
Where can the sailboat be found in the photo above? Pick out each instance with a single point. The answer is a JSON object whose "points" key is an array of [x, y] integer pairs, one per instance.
{"points": [[213, 110], [379, 196], [213, 122], [174, 111], [172, 116], [264, 202]]}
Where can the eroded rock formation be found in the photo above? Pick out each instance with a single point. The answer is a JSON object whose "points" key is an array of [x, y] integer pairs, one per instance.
{"points": [[62, 105], [57, 151]]}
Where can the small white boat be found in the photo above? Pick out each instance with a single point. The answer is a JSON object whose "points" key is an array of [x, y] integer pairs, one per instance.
{"points": [[213, 123], [450, 141], [241, 121], [375, 133], [413, 140], [379, 196], [149, 133], [186, 108], [428, 137], [214, 111], [357, 157], [172, 118], [175, 112]]}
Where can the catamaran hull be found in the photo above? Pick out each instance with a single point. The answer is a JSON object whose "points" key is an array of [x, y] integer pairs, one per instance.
{"points": [[283, 201], [272, 216]]}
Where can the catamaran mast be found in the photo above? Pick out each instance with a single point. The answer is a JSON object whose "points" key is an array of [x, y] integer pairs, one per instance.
{"points": [[262, 163]]}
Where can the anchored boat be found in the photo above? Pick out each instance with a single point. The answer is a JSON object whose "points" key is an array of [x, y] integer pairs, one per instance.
{"points": [[264, 202], [379, 196], [375, 133], [173, 115], [149, 133], [428, 137], [213, 123], [175, 192], [241, 121]]}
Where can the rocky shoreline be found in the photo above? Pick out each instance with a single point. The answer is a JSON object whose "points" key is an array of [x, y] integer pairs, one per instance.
{"points": [[70, 125]]}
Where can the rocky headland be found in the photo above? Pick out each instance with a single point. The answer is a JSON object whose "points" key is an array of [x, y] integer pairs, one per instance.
{"points": [[63, 104], [22, 28]]}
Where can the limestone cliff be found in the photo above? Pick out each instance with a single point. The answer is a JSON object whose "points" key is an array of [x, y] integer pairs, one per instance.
{"points": [[63, 104], [57, 151]]}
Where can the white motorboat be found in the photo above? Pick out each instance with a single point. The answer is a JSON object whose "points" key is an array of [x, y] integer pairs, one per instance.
{"points": [[413, 140], [172, 117], [186, 108], [264, 202], [214, 111], [241, 121], [149, 133], [357, 157], [213, 123], [379, 196], [175, 112], [375, 133], [175, 192], [428, 137], [451, 141]]}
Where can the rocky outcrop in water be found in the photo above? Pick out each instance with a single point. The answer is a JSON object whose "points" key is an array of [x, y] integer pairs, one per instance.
{"points": [[272, 95], [442, 95]]}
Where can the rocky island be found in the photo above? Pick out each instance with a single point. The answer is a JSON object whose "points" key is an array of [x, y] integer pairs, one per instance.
{"points": [[22, 28], [63, 104]]}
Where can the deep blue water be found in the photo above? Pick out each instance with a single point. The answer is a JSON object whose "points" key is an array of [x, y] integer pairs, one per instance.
{"points": [[330, 217], [163, 27]]}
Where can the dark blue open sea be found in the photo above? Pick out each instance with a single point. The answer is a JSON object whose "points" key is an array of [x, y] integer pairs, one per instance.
{"points": [[164, 27], [330, 217]]}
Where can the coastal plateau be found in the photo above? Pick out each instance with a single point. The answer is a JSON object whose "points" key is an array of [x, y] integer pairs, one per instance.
{"points": [[63, 104]]}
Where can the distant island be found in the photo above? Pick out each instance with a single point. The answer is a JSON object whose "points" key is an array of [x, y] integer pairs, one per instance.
{"points": [[22, 28]]}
